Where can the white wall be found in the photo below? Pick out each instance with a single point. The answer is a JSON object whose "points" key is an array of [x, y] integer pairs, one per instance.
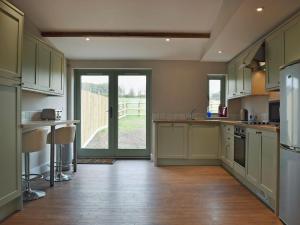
{"points": [[177, 86]]}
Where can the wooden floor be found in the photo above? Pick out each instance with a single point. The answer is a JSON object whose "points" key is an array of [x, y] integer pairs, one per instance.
{"points": [[134, 192]]}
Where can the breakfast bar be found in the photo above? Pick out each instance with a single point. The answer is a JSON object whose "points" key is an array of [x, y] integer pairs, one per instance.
{"points": [[27, 125]]}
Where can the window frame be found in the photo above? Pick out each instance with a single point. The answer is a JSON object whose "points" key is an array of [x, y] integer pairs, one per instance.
{"points": [[222, 78]]}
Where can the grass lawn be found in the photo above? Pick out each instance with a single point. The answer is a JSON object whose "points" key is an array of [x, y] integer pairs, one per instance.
{"points": [[131, 123], [131, 132]]}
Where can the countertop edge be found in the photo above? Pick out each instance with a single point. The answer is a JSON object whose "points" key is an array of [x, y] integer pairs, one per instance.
{"points": [[230, 122]]}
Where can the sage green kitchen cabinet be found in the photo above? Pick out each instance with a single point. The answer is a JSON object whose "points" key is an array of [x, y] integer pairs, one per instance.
{"points": [[239, 82], [203, 141], [274, 45], [227, 154], [253, 156], [262, 164], [291, 41], [57, 72], [231, 79], [44, 67], [29, 67], [10, 154], [171, 140], [239, 76], [269, 163], [11, 35], [247, 79]]}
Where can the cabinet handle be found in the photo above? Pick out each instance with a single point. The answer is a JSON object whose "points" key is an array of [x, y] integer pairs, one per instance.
{"points": [[51, 89], [258, 132]]}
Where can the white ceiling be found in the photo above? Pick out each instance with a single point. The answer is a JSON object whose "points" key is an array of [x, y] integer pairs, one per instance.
{"points": [[234, 25], [130, 48], [246, 26]]}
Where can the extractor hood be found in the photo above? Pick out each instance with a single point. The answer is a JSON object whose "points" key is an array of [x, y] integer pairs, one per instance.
{"points": [[255, 59]]}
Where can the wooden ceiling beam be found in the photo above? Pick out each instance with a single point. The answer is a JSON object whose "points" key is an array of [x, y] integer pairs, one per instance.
{"points": [[124, 34]]}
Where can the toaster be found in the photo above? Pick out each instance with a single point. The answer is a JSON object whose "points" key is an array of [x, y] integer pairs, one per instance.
{"points": [[51, 114]]}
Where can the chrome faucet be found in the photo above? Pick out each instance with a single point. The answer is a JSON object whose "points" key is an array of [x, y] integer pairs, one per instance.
{"points": [[191, 113]]}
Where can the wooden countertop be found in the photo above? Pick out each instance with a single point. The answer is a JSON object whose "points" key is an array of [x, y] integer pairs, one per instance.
{"points": [[45, 123], [271, 128]]}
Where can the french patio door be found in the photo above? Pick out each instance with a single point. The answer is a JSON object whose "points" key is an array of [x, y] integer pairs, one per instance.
{"points": [[114, 109]]}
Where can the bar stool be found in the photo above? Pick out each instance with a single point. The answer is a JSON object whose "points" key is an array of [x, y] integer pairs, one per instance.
{"points": [[63, 136], [32, 141]]}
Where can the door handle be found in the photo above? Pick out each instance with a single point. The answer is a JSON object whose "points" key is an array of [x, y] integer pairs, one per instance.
{"points": [[110, 112]]}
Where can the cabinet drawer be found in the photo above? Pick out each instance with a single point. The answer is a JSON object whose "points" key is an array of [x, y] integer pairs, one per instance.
{"points": [[229, 129]]}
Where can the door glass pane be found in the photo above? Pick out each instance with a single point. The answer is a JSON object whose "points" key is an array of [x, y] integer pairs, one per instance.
{"points": [[94, 112], [214, 95], [132, 112]]}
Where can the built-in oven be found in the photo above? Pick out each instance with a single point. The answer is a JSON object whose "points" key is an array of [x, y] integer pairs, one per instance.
{"points": [[240, 145]]}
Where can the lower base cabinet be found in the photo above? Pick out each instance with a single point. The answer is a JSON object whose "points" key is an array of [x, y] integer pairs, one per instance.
{"points": [[10, 151], [187, 143], [269, 163], [253, 156], [203, 142], [171, 140], [262, 164], [227, 145]]}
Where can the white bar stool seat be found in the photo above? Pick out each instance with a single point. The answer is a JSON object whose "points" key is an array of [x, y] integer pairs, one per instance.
{"points": [[63, 135], [32, 141]]}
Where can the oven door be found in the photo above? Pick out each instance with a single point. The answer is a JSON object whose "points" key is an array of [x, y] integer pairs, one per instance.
{"points": [[240, 150]]}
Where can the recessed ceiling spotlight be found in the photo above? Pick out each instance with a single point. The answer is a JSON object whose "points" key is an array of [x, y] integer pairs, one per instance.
{"points": [[168, 39], [220, 51], [260, 9], [87, 39]]}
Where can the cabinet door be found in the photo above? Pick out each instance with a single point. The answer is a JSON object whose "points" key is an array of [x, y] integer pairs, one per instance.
{"points": [[171, 141], [57, 72], [274, 59], [29, 74], [223, 141], [231, 79], [11, 30], [247, 81], [239, 75], [10, 155], [203, 142], [269, 165], [44, 67], [253, 158], [229, 153], [291, 41]]}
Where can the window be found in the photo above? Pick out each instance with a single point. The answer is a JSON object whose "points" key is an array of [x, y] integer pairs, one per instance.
{"points": [[216, 92]]}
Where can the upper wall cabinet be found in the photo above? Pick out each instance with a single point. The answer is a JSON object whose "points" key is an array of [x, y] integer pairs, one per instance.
{"points": [[11, 31], [242, 81], [291, 41], [231, 80], [42, 68], [274, 59], [239, 75], [29, 72], [57, 72]]}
